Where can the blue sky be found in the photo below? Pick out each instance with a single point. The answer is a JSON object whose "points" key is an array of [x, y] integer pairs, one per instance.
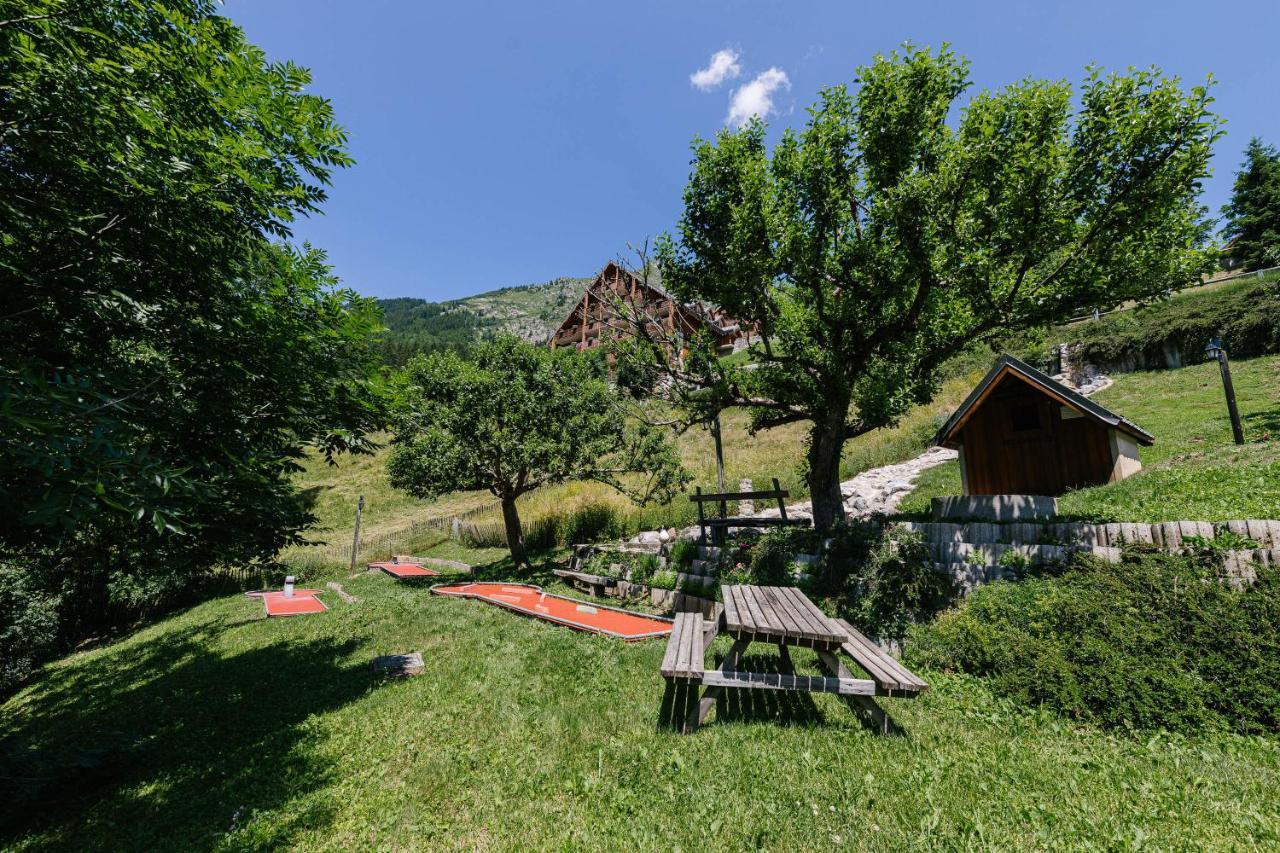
{"points": [[504, 143]]}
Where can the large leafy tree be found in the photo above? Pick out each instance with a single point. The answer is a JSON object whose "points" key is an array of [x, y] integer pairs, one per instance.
{"points": [[1253, 215], [513, 417], [163, 360], [900, 226]]}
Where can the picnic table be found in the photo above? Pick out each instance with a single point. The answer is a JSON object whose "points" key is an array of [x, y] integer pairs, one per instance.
{"points": [[785, 617]]}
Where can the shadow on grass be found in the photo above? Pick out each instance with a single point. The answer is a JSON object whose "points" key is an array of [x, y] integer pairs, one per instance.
{"points": [[1258, 423], [538, 573], [784, 707], [171, 746]]}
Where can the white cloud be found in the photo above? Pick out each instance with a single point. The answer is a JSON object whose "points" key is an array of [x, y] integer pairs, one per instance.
{"points": [[723, 66], [756, 98]]}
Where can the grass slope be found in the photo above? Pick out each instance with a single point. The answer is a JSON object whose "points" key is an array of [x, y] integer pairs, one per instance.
{"points": [[1193, 471], [217, 729]]}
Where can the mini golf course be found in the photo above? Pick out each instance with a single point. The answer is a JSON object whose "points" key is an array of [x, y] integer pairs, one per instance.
{"points": [[530, 600]]}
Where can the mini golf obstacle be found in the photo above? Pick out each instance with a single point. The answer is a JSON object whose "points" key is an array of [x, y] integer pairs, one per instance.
{"points": [[530, 600], [290, 601], [403, 571]]}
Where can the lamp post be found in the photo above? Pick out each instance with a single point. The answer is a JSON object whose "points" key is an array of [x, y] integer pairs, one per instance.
{"points": [[1214, 349]]}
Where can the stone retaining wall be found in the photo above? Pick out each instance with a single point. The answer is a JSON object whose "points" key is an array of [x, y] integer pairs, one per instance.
{"points": [[1165, 534]]}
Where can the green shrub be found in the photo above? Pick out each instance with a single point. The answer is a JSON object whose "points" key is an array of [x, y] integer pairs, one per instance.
{"points": [[643, 567], [1157, 641], [665, 579], [591, 522], [1246, 314], [683, 552], [771, 559], [28, 625], [882, 580]]}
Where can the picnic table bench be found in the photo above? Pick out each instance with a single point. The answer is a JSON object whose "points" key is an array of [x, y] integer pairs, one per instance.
{"points": [[785, 617], [719, 524]]}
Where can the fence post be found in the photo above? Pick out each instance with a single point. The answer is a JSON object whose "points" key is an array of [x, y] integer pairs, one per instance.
{"points": [[355, 542]]}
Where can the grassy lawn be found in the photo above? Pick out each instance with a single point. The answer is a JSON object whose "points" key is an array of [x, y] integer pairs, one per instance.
{"points": [[772, 453], [1193, 471], [215, 728]]}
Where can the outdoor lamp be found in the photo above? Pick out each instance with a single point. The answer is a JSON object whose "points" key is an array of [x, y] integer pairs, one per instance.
{"points": [[1214, 349]]}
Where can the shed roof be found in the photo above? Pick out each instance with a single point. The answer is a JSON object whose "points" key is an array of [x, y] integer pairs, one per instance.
{"points": [[1010, 366]]}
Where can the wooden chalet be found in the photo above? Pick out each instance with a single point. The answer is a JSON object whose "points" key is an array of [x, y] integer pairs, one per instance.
{"points": [[594, 319], [1020, 432]]}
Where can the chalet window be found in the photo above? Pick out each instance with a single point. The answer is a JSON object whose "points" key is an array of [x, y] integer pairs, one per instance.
{"points": [[1024, 417]]}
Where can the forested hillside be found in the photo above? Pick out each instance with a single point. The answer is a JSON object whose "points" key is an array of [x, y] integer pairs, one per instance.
{"points": [[531, 311]]}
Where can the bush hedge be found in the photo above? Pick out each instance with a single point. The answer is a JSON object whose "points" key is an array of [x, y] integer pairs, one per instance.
{"points": [[1246, 314], [1156, 641]]}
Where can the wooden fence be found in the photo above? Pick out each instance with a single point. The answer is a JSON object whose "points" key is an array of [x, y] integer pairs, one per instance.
{"points": [[397, 541]]}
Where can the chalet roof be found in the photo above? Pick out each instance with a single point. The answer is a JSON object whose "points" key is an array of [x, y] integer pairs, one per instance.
{"points": [[1010, 366], [653, 280]]}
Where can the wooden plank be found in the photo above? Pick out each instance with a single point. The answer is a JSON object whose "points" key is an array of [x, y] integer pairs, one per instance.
{"points": [[754, 621], [753, 521], [745, 624], [800, 683], [868, 655], [779, 607], [825, 629], [684, 661], [866, 652], [730, 614], [668, 668], [806, 626], [762, 612], [786, 608], [700, 495]]}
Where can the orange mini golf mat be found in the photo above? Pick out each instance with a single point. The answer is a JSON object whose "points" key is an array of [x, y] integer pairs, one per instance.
{"points": [[405, 570], [532, 601], [304, 601]]}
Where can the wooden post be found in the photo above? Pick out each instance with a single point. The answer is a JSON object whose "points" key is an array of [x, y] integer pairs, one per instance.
{"points": [[782, 508], [355, 542], [715, 432], [1236, 431], [702, 524]]}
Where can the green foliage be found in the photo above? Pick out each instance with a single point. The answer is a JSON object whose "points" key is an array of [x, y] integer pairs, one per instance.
{"points": [[1158, 641], [28, 625], [163, 362], [416, 326], [880, 240], [513, 417], [1253, 214], [664, 579], [1246, 314], [774, 553], [638, 568], [882, 580], [683, 552]]}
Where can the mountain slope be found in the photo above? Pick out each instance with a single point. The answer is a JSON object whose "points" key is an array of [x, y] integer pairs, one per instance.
{"points": [[532, 311]]}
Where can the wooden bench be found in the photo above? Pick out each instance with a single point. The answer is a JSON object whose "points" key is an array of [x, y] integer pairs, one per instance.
{"points": [[785, 617], [722, 522], [594, 584], [890, 676], [686, 648]]}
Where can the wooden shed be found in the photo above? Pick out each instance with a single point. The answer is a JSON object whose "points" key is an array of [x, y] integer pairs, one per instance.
{"points": [[1020, 432]]}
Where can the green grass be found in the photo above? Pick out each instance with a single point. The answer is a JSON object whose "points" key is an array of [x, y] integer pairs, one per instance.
{"points": [[215, 728], [1193, 471]]}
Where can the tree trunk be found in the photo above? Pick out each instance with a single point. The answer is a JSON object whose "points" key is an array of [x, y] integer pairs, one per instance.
{"points": [[826, 441], [515, 534]]}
